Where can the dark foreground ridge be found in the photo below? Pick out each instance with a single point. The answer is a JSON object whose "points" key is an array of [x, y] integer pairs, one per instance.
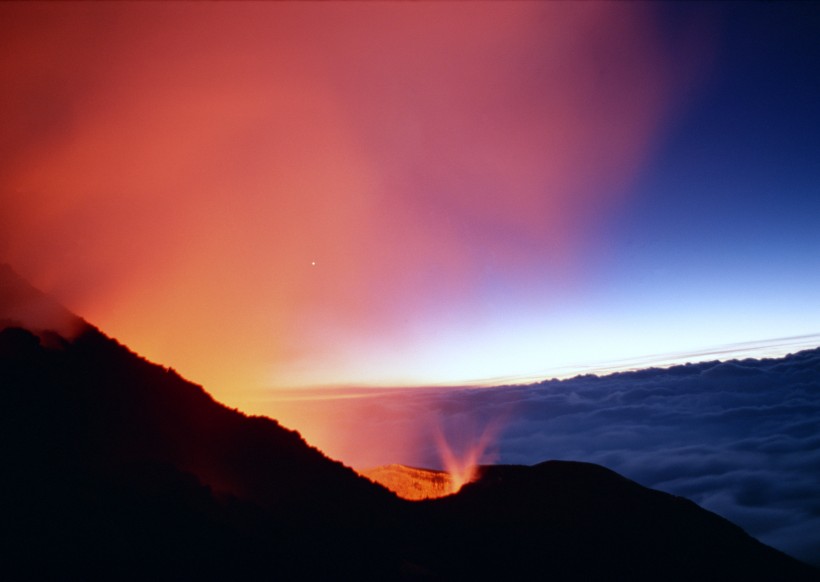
{"points": [[115, 467]]}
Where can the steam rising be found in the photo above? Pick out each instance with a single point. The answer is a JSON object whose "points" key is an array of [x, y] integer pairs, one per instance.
{"points": [[463, 465]]}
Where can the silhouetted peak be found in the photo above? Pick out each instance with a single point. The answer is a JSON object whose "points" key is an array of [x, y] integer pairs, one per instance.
{"points": [[23, 305]]}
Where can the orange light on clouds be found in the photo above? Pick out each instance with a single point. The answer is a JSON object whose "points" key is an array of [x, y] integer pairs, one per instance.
{"points": [[291, 194]]}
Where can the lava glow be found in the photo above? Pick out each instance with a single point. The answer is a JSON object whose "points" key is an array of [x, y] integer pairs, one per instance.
{"points": [[461, 466], [411, 483]]}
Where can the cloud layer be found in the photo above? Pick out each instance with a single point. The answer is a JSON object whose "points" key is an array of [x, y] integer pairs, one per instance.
{"points": [[740, 438]]}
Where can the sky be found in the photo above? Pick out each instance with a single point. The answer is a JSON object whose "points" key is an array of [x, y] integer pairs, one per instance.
{"points": [[349, 216], [286, 195]]}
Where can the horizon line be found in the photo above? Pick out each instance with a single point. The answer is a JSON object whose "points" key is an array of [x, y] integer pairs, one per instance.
{"points": [[755, 349]]}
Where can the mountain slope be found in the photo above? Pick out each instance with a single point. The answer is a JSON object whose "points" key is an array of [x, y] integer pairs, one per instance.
{"points": [[121, 465], [117, 467], [578, 521]]}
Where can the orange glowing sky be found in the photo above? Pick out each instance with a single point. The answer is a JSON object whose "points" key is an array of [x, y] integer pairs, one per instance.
{"points": [[296, 194], [349, 216]]}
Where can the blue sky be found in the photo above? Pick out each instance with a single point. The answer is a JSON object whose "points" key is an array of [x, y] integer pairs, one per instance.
{"points": [[722, 232]]}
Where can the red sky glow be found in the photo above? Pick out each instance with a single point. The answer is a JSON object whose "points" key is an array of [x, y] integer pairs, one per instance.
{"points": [[298, 194]]}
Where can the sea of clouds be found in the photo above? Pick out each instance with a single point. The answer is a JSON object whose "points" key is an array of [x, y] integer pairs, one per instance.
{"points": [[740, 438]]}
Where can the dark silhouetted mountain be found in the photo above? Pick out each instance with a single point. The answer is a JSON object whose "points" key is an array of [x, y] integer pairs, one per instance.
{"points": [[116, 467], [579, 521]]}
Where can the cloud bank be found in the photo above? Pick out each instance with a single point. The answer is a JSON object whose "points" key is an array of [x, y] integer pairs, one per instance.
{"points": [[740, 438]]}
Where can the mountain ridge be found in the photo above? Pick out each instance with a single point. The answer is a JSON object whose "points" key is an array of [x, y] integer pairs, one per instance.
{"points": [[120, 467]]}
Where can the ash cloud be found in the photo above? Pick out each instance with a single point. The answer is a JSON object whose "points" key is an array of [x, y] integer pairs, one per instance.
{"points": [[159, 160]]}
